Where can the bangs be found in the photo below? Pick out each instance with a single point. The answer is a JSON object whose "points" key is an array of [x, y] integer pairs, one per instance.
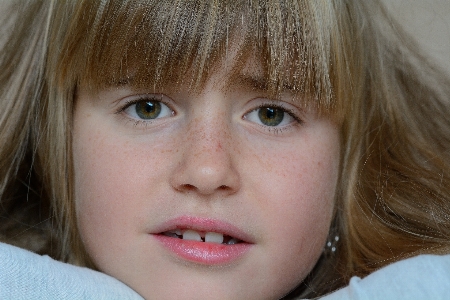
{"points": [[153, 44]]}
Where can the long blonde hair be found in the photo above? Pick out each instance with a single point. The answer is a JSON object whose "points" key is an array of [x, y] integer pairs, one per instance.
{"points": [[395, 188], [347, 58]]}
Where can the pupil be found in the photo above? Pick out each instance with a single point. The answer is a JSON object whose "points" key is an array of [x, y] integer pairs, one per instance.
{"points": [[270, 116], [148, 109]]}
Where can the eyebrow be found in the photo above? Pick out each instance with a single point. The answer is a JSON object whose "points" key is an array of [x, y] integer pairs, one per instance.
{"points": [[260, 83], [255, 82], [128, 79]]}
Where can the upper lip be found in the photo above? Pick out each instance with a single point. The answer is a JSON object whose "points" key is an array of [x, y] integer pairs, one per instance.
{"points": [[203, 225]]}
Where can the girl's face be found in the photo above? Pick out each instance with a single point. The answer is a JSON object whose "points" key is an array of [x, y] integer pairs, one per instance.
{"points": [[223, 193]]}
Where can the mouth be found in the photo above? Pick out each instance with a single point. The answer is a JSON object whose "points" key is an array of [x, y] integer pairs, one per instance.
{"points": [[201, 236], [203, 241]]}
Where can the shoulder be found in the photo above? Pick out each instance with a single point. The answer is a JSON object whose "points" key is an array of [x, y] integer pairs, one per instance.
{"points": [[25, 275], [420, 277]]}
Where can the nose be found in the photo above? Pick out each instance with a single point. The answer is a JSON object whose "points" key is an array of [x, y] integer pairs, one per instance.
{"points": [[207, 163]]}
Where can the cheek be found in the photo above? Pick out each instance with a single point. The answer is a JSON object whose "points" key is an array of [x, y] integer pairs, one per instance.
{"points": [[296, 187], [97, 173], [113, 177], [301, 175]]}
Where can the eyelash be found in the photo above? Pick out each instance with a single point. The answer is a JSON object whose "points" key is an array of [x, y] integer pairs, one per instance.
{"points": [[141, 122], [285, 109], [277, 129]]}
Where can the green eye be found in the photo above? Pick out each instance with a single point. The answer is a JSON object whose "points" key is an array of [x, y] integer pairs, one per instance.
{"points": [[271, 116], [148, 109]]}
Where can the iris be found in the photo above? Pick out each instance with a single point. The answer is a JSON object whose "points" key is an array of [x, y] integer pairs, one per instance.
{"points": [[148, 109], [271, 116]]}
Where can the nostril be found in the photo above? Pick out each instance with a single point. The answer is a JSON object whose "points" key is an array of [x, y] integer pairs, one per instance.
{"points": [[188, 187]]}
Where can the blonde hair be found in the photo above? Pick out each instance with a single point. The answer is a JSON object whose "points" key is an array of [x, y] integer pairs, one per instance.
{"points": [[347, 58]]}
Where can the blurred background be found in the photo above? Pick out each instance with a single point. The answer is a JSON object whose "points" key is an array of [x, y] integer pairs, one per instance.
{"points": [[429, 22]]}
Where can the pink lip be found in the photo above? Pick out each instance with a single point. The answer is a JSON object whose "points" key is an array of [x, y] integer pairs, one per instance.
{"points": [[201, 252]]}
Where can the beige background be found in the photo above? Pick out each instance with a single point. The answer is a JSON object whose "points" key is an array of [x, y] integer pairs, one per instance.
{"points": [[429, 22]]}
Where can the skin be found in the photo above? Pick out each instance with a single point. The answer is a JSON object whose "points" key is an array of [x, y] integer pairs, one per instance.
{"points": [[210, 157]]}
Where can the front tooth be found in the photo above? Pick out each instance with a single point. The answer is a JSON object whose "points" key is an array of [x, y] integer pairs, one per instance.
{"points": [[191, 235], [214, 237]]}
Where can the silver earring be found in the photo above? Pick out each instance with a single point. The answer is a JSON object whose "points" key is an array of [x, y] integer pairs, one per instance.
{"points": [[331, 245]]}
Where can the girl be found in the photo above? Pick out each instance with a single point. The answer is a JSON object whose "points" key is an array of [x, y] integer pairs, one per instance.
{"points": [[210, 149]]}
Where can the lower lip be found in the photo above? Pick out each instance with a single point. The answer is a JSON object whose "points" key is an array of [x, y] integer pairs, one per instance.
{"points": [[204, 253]]}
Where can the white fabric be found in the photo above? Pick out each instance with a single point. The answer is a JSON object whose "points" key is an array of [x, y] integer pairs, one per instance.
{"points": [[421, 277], [25, 275]]}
